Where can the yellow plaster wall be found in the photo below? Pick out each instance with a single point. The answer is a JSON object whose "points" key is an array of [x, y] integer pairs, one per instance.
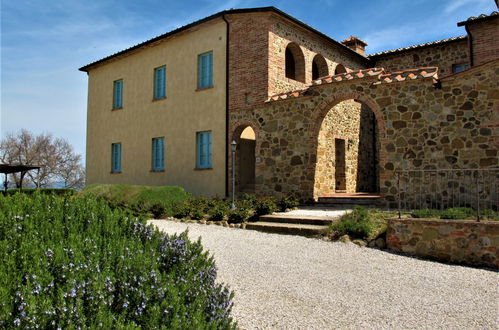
{"points": [[177, 118]]}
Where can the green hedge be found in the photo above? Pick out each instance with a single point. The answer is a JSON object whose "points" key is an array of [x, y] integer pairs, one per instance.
{"points": [[76, 263], [48, 191], [158, 200]]}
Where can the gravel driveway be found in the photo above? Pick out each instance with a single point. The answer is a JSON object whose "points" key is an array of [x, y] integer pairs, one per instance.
{"points": [[294, 282]]}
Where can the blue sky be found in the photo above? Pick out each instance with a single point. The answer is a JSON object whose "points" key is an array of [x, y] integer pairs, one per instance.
{"points": [[43, 43]]}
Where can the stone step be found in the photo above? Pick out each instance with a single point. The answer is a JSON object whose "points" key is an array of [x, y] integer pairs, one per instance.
{"points": [[348, 200], [286, 228], [297, 219]]}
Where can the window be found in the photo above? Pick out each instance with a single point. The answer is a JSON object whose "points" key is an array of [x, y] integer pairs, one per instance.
{"points": [[118, 94], [319, 67], [460, 67], [294, 62], [116, 157], [205, 70], [340, 68], [290, 64], [160, 82], [158, 154], [204, 150]]}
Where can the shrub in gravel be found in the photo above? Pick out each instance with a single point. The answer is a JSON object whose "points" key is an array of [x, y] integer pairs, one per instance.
{"points": [[356, 224], [425, 213], [218, 212], [239, 215], [76, 263], [457, 213], [265, 205], [288, 203]]}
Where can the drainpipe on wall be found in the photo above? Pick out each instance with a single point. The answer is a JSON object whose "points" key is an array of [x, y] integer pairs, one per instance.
{"points": [[226, 108], [470, 41]]}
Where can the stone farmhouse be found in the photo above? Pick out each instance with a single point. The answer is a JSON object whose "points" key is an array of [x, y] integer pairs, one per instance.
{"points": [[311, 116]]}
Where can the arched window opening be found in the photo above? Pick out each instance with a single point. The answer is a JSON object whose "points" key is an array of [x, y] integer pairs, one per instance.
{"points": [[294, 62], [340, 68], [319, 67], [290, 65]]}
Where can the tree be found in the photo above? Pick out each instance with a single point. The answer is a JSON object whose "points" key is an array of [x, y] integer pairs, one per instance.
{"points": [[58, 161]]}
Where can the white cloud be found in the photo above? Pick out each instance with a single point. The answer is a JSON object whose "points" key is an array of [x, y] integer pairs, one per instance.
{"points": [[456, 4]]}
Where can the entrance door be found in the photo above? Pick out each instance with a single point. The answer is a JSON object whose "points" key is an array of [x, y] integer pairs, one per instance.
{"points": [[340, 168], [247, 165]]}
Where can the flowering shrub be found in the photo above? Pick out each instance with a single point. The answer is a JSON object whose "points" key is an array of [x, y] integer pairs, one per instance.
{"points": [[76, 263]]}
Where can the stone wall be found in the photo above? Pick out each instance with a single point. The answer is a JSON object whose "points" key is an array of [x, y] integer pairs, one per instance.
{"points": [[442, 56], [422, 124], [466, 242]]}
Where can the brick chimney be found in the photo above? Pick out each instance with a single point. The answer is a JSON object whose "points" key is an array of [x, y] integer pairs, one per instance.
{"points": [[355, 44]]}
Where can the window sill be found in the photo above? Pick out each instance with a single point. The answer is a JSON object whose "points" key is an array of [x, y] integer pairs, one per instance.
{"points": [[203, 168], [159, 99], [116, 109], [157, 171], [115, 172], [199, 89]]}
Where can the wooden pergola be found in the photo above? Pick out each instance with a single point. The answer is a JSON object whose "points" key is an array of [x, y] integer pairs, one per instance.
{"points": [[9, 169]]}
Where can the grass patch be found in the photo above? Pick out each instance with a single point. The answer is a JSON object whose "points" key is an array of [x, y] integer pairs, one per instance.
{"points": [[158, 200], [455, 213], [362, 223]]}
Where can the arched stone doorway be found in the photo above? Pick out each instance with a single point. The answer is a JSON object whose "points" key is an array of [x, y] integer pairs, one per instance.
{"points": [[245, 138], [347, 149]]}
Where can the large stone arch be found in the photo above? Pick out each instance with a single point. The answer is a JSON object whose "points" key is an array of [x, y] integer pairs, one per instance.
{"points": [[333, 170]]}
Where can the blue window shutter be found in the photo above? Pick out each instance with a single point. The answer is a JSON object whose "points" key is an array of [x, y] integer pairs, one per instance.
{"points": [[208, 149], [158, 155], [118, 94], [154, 152], [199, 143], [203, 150], [160, 82], [119, 158], [162, 153], [210, 69], [205, 70], [116, 157]]}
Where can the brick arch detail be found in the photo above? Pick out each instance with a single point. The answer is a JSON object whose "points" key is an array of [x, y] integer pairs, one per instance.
{"points": [[325, 106], [236, 129]]}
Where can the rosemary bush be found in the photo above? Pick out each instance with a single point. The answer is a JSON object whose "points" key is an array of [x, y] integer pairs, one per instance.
{"points": [[76, 263]]}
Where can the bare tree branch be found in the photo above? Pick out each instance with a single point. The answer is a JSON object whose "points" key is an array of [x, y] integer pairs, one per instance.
{"points": [[56, 157]]}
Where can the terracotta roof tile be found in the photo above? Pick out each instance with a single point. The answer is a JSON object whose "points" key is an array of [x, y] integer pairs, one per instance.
{"points": [[412, 74], [428, 44], [379, 73], [481, 17], [291, 95], [358, 74]]}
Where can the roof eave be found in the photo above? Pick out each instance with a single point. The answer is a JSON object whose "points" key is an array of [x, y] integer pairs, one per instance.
{"points": [[88, 67]]}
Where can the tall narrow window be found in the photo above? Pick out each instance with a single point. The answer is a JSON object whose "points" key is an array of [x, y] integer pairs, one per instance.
{"points": [[319, 67], [340, 68], [116, 157], [158, 154], [290, 64], [205, 70], [204, 150], [118, 94], [160, 82], [294, 62]]}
